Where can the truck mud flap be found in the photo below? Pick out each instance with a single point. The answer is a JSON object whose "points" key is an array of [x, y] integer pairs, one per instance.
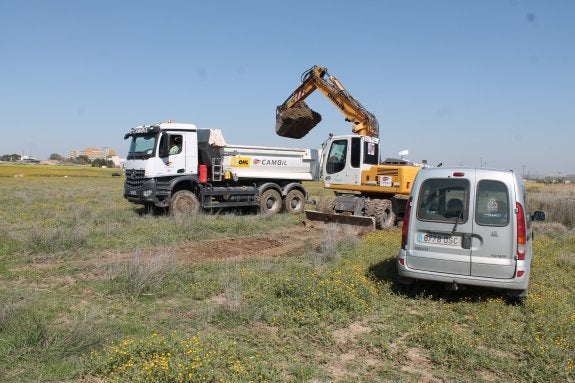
{"points": [[354, 220]]}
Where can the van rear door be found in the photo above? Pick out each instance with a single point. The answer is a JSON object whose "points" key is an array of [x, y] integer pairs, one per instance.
{"points": [[442, 223], [492, 253]]}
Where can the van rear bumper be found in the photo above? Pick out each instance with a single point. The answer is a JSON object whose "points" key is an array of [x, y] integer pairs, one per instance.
{"points": [[508, 284]]}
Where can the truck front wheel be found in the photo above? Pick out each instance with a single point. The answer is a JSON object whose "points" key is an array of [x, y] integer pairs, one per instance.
{"points": [[184, 202], [294, 202], [270, 202]]}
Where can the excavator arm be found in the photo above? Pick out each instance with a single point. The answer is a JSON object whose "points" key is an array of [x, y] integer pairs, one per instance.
{"points": [[294, 119]]}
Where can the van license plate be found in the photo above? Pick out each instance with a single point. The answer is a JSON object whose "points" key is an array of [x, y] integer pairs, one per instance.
{"points": [[440, 239]]}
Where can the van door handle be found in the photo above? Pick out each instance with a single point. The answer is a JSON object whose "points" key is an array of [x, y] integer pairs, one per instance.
{"points": [[466, 241], [180, 171]]}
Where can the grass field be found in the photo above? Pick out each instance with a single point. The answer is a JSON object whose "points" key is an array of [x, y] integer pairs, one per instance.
{"points": [[83, 300]]}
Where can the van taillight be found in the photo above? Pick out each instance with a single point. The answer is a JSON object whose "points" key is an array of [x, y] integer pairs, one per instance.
{"points": [[405, 226], [521, 232]]}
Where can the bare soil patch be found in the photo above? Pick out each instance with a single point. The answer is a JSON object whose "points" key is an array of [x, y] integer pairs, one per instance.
{"points": [[265, 245]]}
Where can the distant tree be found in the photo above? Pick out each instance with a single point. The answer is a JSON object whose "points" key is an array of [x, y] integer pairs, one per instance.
{"points": [[55, 157], [99, 162], [83, 160], [10, 157]]}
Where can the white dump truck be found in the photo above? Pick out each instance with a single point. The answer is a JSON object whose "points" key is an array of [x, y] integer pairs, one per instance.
{"points": [[183, 168]]}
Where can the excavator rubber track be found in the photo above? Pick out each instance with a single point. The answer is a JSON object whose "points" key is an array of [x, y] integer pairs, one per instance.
{"points": [[296, 121], [344, 219]]}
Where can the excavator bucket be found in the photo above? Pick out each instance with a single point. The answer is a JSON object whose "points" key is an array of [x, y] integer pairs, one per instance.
{"points": [[354, 220], [296, 121]]}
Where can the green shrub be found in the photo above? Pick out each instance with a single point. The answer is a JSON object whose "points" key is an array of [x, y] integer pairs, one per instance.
{"points": [[175, 358], [141, 274], [314, 298]]}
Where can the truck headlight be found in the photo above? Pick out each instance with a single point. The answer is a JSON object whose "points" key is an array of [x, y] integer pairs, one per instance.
{"points": [[147, 193]]}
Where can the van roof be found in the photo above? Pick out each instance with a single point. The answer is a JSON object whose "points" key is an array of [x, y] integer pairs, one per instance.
{"points": [[464, 169]]}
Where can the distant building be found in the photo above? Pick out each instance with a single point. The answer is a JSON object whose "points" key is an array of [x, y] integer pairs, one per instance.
{"points": [[93, 153], [568, 179], [118, 161]]}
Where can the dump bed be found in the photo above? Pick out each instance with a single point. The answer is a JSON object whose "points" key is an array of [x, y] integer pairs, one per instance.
{"points": [[259, 162], [271, 162]]}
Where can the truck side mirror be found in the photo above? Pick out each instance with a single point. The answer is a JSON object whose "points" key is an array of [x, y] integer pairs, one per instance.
{"points": [[164, 145], [538, 216]]}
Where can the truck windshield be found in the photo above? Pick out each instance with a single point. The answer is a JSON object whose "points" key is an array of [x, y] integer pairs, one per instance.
{"points": [[142, 146]]}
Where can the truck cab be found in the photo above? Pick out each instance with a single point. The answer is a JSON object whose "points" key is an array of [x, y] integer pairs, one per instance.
{"points": [[152, 163]]}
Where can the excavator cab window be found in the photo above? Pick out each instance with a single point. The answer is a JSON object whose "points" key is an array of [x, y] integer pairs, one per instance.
{"points": [[355, 152], [337, 157], [370, 153]]}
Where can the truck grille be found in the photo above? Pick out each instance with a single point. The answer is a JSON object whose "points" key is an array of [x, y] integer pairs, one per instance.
{"points": [[134, 178]]}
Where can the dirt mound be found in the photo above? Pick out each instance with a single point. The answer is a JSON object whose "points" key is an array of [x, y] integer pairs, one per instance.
{"points": [[296, 121]]}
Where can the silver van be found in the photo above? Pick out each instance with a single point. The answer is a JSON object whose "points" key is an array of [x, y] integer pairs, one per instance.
{"points": [[468, 226]]}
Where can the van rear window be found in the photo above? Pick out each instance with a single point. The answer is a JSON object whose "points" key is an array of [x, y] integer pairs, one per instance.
{"points": [[443, 200], [492, 203]]}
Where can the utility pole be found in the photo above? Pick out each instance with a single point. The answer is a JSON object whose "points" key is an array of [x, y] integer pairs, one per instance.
{"points": [[523, 174]]}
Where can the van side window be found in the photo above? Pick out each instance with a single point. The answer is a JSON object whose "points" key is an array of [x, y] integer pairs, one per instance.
{"points": [[492, 207], [443, 200]]}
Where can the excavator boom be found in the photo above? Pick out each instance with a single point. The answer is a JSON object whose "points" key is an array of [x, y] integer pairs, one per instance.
{"points": [[294, 119]]}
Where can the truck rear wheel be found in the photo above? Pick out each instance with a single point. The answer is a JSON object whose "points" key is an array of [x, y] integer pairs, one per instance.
{"points": [[294, 202], [270, 202], [382, 210], [184, 202]]}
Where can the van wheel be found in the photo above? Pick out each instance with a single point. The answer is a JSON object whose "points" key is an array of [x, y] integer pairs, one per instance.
{"points": [[326, 205], [381, 209], [270, 202], [184, 202], [294, 202]]}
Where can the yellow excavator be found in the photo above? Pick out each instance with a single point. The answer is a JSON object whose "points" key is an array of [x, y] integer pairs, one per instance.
{"points": [[367, 192]]}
